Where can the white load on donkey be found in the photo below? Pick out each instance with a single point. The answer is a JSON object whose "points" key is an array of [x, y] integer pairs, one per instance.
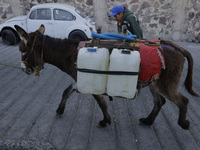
{"points": [[112, 67]]}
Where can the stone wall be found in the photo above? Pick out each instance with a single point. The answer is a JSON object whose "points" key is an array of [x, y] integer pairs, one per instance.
{"points": [[175, 20]]}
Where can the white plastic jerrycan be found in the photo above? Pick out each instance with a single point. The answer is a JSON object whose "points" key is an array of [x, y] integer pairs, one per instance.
{"points": [[123, 85], [92, 59]]}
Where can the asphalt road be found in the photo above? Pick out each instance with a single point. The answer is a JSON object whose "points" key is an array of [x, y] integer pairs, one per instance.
{"points": [[28, 113]]}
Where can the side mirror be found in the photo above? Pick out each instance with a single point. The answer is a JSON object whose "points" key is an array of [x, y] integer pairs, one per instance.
{"points": [[74, 17]]}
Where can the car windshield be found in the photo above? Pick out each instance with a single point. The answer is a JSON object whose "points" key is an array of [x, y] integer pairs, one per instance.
{"points": [[82, 14]]}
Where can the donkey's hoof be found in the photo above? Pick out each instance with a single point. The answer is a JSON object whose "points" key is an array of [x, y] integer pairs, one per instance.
{"points": [[60, 111], [185, 125], [145, 121], [103, 123]]}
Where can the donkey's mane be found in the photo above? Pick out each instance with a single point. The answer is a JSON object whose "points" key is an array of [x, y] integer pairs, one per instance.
{"points": [[56, 44]]}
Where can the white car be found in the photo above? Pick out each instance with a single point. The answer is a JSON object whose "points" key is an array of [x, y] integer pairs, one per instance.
{"points": [[60, 21]]}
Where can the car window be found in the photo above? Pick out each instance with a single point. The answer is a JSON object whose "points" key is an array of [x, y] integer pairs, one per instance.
{"points": [[41, 14], [33, 14], [82, 14], [59, 14]]}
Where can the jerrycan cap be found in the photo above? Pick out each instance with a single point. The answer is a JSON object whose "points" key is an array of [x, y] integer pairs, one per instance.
{"points": [[125, 51], [92, 49]]}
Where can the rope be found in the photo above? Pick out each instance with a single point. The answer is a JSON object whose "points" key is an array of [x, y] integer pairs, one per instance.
{"points": [[11, 66]]}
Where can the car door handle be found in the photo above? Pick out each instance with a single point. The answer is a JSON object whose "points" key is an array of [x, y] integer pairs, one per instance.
{"points": [[49, 22]]}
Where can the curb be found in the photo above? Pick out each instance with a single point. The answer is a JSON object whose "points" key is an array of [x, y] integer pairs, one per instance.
{"points": [[25, 145]]}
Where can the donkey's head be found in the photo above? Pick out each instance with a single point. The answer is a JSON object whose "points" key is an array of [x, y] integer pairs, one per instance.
{"points": [[30, 47]]}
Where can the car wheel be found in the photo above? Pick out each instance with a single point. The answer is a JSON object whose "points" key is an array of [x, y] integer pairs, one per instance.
{"points": [[78, 35], [8, 37]]}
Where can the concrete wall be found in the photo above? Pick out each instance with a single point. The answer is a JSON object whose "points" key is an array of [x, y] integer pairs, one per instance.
{"points": [[177, 20]]}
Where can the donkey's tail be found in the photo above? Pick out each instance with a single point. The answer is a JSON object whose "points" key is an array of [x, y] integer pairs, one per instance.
{"points": [[188, 80]]}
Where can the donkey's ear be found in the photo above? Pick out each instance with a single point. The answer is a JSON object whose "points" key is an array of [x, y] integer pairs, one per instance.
{"points": [[24, 35], [41, 29]]}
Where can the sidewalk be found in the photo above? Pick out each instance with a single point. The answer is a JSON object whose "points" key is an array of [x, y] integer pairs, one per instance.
{"points": [[28, 113]]}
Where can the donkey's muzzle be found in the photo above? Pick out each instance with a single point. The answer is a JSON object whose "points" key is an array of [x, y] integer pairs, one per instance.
{"points": [[25, 69]]}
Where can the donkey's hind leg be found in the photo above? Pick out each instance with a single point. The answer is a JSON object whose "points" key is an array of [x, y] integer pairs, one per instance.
{"points": [[182, 102], [102, 104], [159, 101], [65, 96]]}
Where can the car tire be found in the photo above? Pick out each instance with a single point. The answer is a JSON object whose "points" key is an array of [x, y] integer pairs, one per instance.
{"points": [[78, 35], [8, 37]]}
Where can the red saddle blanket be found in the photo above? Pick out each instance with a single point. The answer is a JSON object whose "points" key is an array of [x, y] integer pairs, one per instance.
{"points": [[152, 61]]}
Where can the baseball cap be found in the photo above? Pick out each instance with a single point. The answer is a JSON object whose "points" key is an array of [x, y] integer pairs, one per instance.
{"points": [[117, 9]]}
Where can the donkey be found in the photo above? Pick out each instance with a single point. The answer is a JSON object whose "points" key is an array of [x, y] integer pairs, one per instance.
{"points": [[37, 48]]}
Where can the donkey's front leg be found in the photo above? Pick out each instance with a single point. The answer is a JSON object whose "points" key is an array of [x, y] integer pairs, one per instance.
{"points": [[65, 96], [102, 104]]}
